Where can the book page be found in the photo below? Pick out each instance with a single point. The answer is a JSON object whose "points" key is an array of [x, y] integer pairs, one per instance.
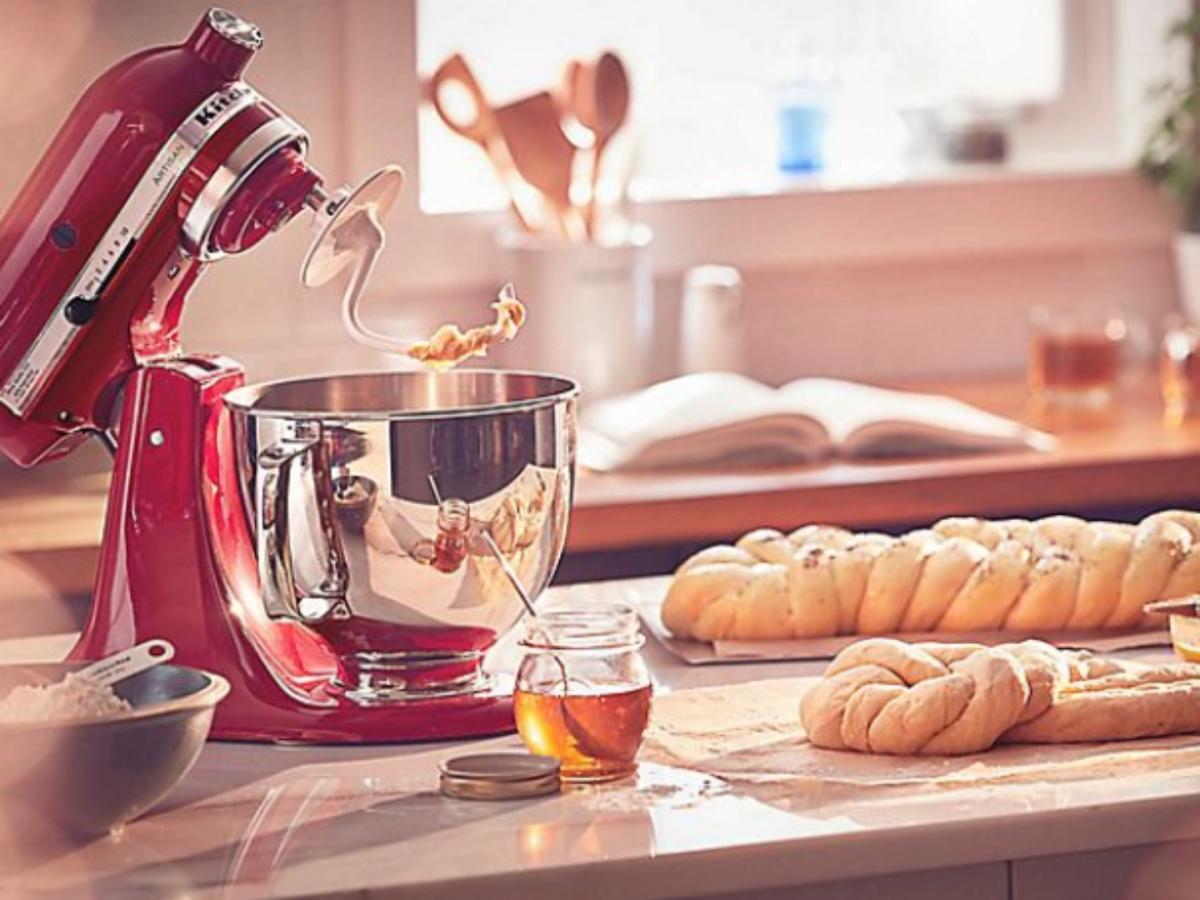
{"points": [[866, 420], [708, 417]]}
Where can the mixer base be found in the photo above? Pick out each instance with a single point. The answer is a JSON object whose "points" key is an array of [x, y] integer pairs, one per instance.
{"points": [[178, 564], [406, 722]]}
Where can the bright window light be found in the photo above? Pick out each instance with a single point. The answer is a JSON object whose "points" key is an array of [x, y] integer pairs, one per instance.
{"points": [[709, 78]]}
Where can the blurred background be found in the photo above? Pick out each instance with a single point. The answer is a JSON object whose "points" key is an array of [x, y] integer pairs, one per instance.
{"points": [[973, 160]]}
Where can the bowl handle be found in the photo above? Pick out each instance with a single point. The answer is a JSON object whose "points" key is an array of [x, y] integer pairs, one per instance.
{"points": [[276, 569]]}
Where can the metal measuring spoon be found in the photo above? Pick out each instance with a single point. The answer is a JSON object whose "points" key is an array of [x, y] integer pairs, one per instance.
{"points": [[127, 663]]}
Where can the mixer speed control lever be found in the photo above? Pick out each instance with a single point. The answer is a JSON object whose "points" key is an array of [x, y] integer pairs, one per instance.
{"points": [[79, 310]]}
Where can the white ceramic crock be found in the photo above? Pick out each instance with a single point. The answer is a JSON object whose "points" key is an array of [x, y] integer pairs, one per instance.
{"points": [[591, 309]]}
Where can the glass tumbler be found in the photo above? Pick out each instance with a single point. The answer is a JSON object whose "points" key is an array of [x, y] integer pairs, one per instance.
{"points": [[583, 692], [1077, 355]]}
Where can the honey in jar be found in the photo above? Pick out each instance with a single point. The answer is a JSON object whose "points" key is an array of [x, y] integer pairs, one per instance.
{"points": [[447, 551], [583, 692], [595, 736], [453, 526]]}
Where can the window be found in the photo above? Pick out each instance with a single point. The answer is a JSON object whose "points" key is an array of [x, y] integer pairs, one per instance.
{"points": [[709, 77]]}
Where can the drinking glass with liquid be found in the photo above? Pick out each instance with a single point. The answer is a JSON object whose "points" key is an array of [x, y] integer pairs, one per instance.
{"points": [[1077, 355], [583, 691], [1179, 372]]}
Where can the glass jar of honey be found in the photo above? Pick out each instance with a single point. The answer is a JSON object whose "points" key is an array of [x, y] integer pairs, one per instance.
{"points": [[583, 691]]}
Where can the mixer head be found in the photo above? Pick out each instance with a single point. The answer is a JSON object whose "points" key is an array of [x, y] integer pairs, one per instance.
{"points": [[103, 244]]}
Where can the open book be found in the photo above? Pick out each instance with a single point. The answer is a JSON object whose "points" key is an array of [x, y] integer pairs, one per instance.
{"points": [[721, 418]]}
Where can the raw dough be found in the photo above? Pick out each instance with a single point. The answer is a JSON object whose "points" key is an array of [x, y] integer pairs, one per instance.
{"points": [[882, 695], [960, 575], [450, 346]]}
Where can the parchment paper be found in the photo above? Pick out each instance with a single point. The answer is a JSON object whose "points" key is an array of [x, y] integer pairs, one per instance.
{"points": [[751, 732]]}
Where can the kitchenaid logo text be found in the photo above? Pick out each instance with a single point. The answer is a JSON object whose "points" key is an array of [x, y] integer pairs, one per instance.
{"points": [[211, 110], [198, 128]]}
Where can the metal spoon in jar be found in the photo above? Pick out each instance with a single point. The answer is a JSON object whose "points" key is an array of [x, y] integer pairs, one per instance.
{"points": [[589, 743]]}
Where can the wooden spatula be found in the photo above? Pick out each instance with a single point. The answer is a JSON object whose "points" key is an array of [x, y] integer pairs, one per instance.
{"points": [[543, 156]]}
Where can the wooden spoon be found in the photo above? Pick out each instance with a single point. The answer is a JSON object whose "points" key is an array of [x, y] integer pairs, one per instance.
{"points": [[474, 121], [578, 94], [575, 96], [609, 109], [542, 154], [575, 100]]}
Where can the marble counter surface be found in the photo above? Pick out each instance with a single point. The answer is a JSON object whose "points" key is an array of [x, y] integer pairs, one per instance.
{"points": [[253, 821]]}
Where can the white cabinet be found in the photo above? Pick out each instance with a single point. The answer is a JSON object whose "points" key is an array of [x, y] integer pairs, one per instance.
{"points": [[1166, 871], [988, 881]]}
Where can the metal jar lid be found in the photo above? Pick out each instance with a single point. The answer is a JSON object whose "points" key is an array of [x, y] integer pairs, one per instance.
{"points": [[499, 776]]}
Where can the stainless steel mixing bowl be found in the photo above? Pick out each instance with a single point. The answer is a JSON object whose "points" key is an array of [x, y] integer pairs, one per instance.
{"points": [[392, 510]]}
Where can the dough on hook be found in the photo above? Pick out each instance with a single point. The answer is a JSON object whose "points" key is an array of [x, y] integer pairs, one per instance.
{"points": [[450, 346]]}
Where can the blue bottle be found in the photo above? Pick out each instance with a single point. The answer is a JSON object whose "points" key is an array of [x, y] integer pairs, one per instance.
{"points": [[803, 109]]}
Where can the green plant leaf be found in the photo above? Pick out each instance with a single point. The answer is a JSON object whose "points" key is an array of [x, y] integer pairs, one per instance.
{"points": [[1171, 154]]}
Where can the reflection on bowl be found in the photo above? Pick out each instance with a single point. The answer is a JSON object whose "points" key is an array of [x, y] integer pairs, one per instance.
{"points": [[90, 776]]}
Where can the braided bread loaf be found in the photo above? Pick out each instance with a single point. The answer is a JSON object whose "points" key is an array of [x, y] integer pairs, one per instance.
{"points": [[962, 574], [884, 696]]}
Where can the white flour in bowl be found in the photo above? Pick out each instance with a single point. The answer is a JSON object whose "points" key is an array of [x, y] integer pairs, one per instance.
{"points": [[75, 697]]}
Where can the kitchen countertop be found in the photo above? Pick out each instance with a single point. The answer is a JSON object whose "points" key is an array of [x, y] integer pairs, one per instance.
{"points": [[255, 820]]}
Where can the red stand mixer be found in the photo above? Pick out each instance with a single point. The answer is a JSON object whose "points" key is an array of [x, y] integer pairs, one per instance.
{"points": [[287, 536]]}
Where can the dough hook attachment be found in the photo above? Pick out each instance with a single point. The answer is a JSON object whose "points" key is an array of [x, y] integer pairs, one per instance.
{"points": [[350, 235]]}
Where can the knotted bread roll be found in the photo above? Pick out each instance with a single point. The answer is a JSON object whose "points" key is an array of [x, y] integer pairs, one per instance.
{"points": [[885, 696], [961, 575]]}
